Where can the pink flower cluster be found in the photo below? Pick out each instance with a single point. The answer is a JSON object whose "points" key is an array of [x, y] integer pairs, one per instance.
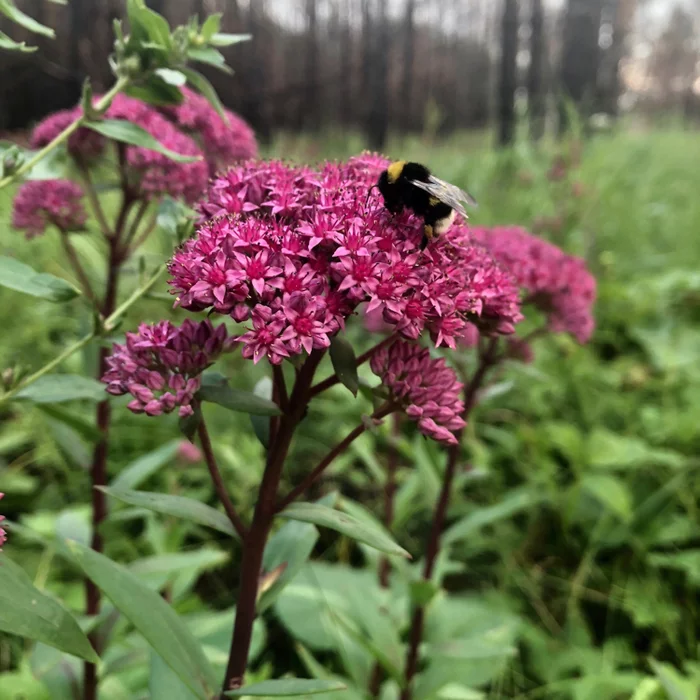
{"points": [[296, 251], [558, 284], [40, 203], [3, 534], [223, 144], [160, 365], [427, 388], [149, 173]]}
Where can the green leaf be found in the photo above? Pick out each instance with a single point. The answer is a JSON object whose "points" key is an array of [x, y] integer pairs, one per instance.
{"points": [[146, 21], [27, 612], [211, 57], [145, 466], [474, 648], [79, 424], [9, 44], [422, 592], [506, 508], [22, 278], [345, 363], [228, 39], [285, 687], [677, 687], [261, 425], [172, 77], [219, 392], [178, 506], [153, 618], [610, 492], [202, 85], [289, 549], [155, 91], [164, 683], [8, 8], [324, 516], [211, 26], [56, 388], [126, 132]]}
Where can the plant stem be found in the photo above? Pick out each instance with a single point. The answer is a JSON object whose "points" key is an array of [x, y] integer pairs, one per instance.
{"points": [[254, 545], [103, 103], [333, 379], [218, 482], [384, 563], [79, 270], [94, 199], [98, 468], [111, 321], [487, 358], [315, 473]]}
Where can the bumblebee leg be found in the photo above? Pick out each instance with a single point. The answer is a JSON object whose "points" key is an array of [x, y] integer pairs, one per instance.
{"points": [[428, 233]]}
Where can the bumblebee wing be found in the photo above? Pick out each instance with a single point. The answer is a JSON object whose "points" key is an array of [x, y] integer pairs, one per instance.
{"points": [[450, 194]]}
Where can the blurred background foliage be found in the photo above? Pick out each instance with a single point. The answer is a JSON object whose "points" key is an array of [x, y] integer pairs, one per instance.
{"points": [[574, 561]]}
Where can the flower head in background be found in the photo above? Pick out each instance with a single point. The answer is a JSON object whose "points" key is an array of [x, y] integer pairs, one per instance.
{"points": [[84, 145], [223, 144], [427, 388], [189, 452], [296, 251], [40, 203], [3, 534], [161, 364], [558, 284]]}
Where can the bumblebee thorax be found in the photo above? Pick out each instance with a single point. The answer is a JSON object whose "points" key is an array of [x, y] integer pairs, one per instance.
{"points": [[393, 172]]}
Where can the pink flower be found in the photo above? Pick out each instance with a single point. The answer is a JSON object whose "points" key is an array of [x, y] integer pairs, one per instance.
{"points": [[3, 534], [558, 284], [39, 203], [312, 246], [188, 452], [160, 365], [84, 144], [427, 388], [223, 144]]}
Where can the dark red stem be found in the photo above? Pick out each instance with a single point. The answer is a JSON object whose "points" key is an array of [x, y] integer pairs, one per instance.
{"points": [[254, 545], [487, 358], [333, 379], [218, 481], [315, 473]]}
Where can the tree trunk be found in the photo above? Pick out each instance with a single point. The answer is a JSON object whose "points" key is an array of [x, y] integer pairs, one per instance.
{"points": [[509, 75], [536, 95], [346, 72], [311, 100], [378, 117], [580, 57], [407, 74]]}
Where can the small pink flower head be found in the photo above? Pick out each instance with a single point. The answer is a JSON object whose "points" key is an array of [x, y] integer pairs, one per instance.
{"points": [[558, 284], [160, 366], [188, 452], [40, 203], [3, 534], [223, 144], [84, 144], [427, 388], [156, 174]]}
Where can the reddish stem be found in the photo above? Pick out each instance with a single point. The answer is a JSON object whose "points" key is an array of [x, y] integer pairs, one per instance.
{"points": [[254, 545], [217, 480], [77, 266], [333, 379], [487, 358], [315, 473]]}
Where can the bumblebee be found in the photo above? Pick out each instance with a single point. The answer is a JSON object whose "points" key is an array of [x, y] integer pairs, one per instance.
{"points": [[412, 186]]}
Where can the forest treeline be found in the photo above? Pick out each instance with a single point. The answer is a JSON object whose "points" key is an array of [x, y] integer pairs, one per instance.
{"points": [[370, 65]]}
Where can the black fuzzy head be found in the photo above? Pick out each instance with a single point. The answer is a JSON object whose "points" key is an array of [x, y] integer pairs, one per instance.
{"points": [[390, 192]]}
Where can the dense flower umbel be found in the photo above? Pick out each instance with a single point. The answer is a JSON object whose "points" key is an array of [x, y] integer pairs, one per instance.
{"points": [[223, 144], [558, 284], [3, 534], [149, 173], [40, 203], [427, 388], [160, 365], [295, 251]]}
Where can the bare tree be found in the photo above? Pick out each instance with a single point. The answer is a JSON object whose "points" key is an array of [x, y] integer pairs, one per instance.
{"points": [[536, 93], [580, 56], [378, 117], [509, 75], [409, 41], [311, 100]]}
